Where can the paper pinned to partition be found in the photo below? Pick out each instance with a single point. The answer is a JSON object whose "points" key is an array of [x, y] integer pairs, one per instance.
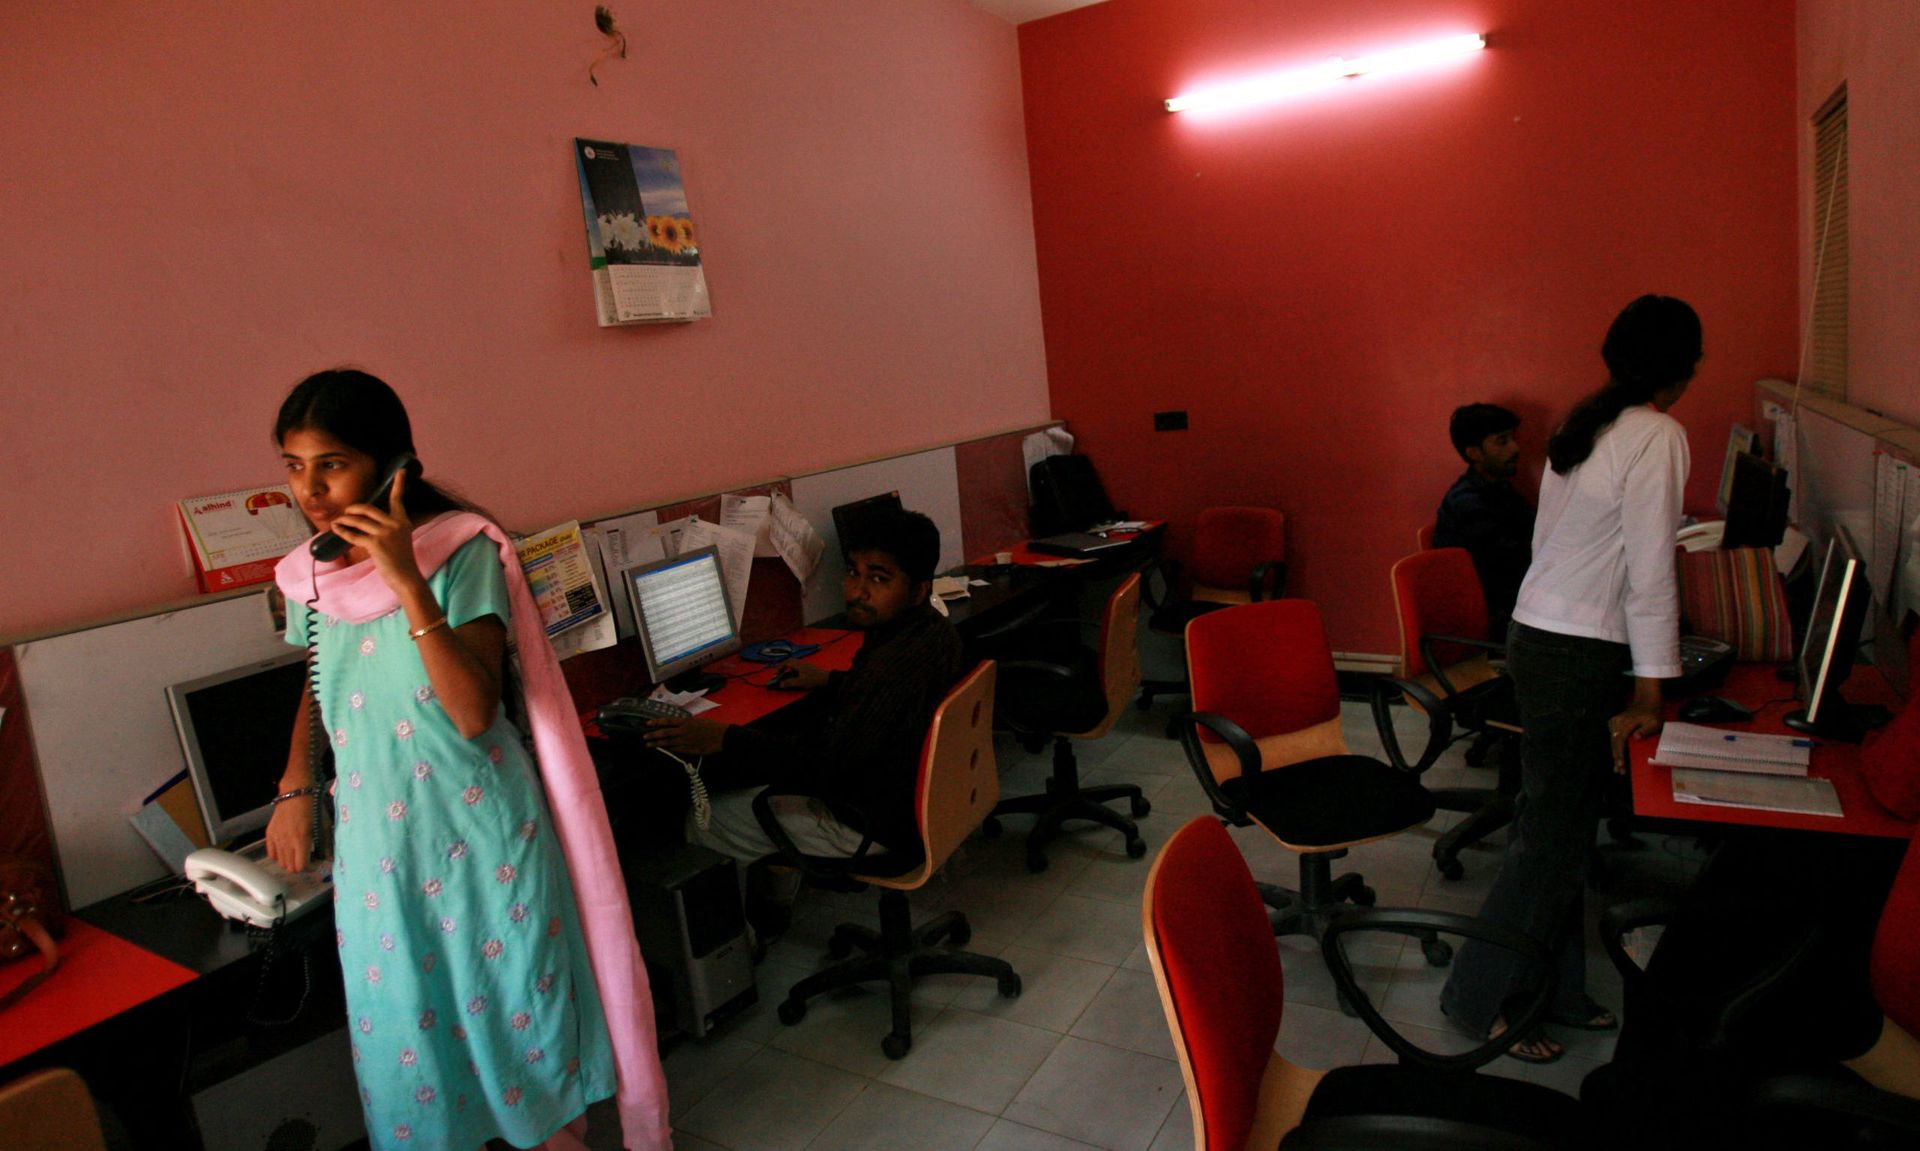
{"points": [[794, 539], [750, 514], [572, 602], [623, 542], [736, 556], [1890, 482], [1786, 453]]}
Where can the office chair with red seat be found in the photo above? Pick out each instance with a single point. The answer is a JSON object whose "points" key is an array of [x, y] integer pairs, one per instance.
{"points": [[958, 784], [1223, 990], [1735, 1026], [1239, 555], [1423, 537], [1446, 674], [1264, 741], [1077, 695]]}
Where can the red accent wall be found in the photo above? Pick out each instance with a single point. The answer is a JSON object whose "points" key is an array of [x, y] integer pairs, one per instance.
{"points": [[1320, 282]]}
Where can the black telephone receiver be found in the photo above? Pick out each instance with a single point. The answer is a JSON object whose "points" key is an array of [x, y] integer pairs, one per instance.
{"points": [[331, 546]]}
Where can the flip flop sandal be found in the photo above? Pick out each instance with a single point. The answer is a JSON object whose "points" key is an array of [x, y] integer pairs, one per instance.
{"points": [[1537, 1039], [1591, 1016]]}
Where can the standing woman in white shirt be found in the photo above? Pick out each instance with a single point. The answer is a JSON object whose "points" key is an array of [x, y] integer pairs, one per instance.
{"points": [[1598, 602]]}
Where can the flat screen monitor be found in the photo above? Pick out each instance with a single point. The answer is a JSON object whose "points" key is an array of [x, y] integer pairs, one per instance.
{"points": [[1833, 632], [683, 617], [1741, 441], [235, 727], [1756, 504], [848, 519]]}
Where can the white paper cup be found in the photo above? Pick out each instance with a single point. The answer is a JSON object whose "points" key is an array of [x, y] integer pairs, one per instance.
{"points": [[1003, 557]]}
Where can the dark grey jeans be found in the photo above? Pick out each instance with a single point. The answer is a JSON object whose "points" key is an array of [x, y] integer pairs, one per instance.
{"points": [[1567, 687]]}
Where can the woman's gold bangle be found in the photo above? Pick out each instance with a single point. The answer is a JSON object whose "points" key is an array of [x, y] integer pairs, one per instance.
{"points": [[436, 625]]}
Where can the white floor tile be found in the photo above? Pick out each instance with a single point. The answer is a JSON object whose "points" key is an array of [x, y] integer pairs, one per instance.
{"points": [[774, 1102], [973, 1060], [1055, 989], [887, 1118], [1098, 1094], [1091, 929], [695, 1066], [1127, 1013], [1009, 1136]]}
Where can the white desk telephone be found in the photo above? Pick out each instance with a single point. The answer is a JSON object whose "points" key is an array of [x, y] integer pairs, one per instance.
{"points": [[256, 890]]}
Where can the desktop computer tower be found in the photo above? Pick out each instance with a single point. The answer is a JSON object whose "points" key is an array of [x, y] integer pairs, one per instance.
{"points": [[687, 916]]}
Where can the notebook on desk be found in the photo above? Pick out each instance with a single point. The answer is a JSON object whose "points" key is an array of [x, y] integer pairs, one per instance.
{"points": [[1075, 544]]}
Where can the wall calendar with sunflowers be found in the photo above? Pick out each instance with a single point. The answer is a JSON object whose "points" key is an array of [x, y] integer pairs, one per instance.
{"points": [[640, 237]]}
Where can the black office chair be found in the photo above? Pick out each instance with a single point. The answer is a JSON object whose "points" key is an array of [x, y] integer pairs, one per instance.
{"points": [[1239, 555], [1079, 694]]}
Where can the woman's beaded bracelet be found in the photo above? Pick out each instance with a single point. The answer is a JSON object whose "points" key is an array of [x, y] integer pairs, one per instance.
{"points": [[296, 793]]}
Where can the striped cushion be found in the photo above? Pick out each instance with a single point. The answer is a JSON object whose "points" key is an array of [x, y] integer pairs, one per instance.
{"points": [[1737, 596]]}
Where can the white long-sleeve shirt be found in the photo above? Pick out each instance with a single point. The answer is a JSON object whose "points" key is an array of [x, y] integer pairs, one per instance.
{"points": [[1603, 543]]}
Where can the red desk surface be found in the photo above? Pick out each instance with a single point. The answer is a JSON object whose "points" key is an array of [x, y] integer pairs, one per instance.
{"points": [[1753, 685], [744, 699], [100, 975]]}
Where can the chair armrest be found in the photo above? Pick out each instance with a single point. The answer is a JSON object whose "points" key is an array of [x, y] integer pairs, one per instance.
{"points": [[1439, 722], [1188, 725], [1410, 921], [1620, 920], [1498, 650], [1266, 580], [1850, 1100], [812, 866]]}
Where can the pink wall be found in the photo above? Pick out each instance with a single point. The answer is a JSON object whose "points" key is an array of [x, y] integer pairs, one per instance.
{"points": [[1320, 283], [202, 203], [1872, 49]]}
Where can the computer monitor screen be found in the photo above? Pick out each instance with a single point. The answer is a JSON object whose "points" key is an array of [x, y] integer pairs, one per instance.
{"points": [[1833, 632], [848, 519], [1756, 505], [235, 727], [1740, 442], [681, 612]]}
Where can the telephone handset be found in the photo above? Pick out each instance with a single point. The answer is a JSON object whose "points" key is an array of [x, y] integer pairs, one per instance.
{"points": [[256, 891], [331, 546]]}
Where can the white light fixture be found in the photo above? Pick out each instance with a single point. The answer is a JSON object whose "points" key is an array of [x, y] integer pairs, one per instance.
{"points": [[1298, 80]]}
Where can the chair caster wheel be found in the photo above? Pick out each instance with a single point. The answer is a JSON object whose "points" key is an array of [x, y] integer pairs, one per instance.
{"points": [[1364, 896], [1140, 806], [1136, 847], [1010, 986], [1036, 862], [1439, 952], [896, 1045], [1450, 868], [839, 946], [990, 828], [961, 935], [791, 1011]]}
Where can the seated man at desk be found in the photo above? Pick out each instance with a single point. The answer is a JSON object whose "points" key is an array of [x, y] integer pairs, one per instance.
{"points": [[1483, 513], [860, 753]]}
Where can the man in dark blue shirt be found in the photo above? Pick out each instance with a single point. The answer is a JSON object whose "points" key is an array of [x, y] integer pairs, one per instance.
{"points": [[1483, 513]]}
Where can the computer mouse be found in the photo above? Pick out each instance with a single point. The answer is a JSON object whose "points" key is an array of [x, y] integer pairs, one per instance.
{"points": [[1714, 709]]}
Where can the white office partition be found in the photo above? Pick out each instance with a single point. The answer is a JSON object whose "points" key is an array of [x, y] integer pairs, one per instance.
{"points": [[928, 482], [102, 733]]}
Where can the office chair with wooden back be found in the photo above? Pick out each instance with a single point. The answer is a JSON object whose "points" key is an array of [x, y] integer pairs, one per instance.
{"points": [[49, 1110], [1077, 696], [958, 785], [1446, 673], [1423, 537], [1223, 990], [1239, 555], [1264, 741]]}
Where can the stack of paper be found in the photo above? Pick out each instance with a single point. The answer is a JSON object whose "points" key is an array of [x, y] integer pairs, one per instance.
{"points": [[1762, 792], [1691, 745]]}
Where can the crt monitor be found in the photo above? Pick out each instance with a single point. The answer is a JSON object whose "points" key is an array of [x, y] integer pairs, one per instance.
{"points": [[1756, 504], [1833, 632], [683, 617], [235, 727], [848, 519]]}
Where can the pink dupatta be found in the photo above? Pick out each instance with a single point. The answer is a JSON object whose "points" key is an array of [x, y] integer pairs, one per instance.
{"points": [[358, 594]]}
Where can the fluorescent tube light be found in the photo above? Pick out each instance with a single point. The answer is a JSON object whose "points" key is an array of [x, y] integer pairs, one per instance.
{"points": [[1280, 84]]}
